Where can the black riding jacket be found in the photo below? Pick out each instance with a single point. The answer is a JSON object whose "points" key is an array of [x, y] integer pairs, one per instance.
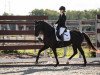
{"points": [[61, 21]]}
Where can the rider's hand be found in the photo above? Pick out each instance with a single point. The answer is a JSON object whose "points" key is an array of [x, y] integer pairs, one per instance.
{"points": [[55, 25], [40, 39]]}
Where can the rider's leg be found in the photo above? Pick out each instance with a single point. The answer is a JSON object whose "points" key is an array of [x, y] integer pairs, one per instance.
{"points": [[58, 31], [62, 37], [62, 30]]}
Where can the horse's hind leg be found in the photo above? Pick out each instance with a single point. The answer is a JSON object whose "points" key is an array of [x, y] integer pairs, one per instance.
{"points": [[82, 52], [42, 49], [74, 53]]}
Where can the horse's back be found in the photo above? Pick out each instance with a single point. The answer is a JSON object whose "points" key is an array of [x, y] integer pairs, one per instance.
{"points": [[76, 36]]}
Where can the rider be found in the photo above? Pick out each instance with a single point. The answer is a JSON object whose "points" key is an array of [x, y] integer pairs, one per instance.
{"points": [[61, 22]]}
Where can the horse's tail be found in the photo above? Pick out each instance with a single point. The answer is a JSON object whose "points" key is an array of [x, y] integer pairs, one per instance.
{"points": [[89, 42]]}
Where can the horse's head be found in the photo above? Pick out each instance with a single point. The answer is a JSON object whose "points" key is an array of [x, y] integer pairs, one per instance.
{"points": [[38, 27], [42, 27]]}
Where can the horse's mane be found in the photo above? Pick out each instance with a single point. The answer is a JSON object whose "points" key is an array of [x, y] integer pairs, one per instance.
{"points": [[47, 27], [46, 24]]}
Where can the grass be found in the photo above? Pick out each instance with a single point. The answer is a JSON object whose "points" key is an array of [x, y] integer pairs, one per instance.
{"points": [[60, 52]]}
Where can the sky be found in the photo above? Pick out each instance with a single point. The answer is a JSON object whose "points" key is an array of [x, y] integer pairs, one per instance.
{"points": [[23, 7]]}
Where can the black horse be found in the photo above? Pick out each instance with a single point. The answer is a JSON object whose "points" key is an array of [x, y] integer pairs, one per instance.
{"points": [[50, 41]]}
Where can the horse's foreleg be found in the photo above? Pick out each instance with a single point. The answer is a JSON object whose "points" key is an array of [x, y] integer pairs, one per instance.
{"points": [[55, 54], [74, 53], [42, 49], [82, 52]]}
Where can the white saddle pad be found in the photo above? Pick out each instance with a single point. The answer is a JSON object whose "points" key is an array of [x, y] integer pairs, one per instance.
{"points": [[66, 35]]}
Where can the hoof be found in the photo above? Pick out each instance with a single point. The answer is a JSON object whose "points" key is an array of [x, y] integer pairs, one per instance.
{"points": [[84, 65], [36, 63], [67, 62], [56, 65]]}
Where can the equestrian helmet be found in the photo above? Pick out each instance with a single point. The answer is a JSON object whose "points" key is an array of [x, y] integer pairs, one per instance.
{"points": [[62, 8]]}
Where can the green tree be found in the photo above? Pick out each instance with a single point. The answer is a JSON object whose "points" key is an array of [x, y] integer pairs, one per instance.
{"points": [[37, 12], [71, 14], [52, 15]]}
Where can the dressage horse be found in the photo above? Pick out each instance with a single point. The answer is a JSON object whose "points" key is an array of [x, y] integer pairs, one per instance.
{"points": [[50, 41]]}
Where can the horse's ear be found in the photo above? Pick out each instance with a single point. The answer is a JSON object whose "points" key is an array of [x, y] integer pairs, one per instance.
{"points": [[35, 21]]}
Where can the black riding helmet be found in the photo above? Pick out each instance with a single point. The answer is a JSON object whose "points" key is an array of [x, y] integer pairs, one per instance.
{"points": [[62, 8]]}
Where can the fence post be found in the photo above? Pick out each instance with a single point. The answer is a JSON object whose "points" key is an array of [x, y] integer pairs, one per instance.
{"points": [[16, 27], [96, 24], [0, 26], [45, 53], [80, 29], [16, 30], [65, 51], [8, 27], [97, 34], [0, 29], [24, 27], [34, 39]]}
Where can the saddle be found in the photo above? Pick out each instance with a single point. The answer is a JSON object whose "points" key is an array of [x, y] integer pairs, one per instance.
{"points": [[63, 33]]}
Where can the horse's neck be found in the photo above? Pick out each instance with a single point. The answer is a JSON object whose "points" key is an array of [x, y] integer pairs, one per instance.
{"points": [[48, 31]]}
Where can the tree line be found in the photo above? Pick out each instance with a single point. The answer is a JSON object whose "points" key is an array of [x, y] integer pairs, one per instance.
{"points": [[53, 15], [70, 14]]}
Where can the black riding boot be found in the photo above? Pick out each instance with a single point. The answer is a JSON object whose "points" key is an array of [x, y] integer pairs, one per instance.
{"points": [[62, 38], [57, 33], [62, 35]]}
